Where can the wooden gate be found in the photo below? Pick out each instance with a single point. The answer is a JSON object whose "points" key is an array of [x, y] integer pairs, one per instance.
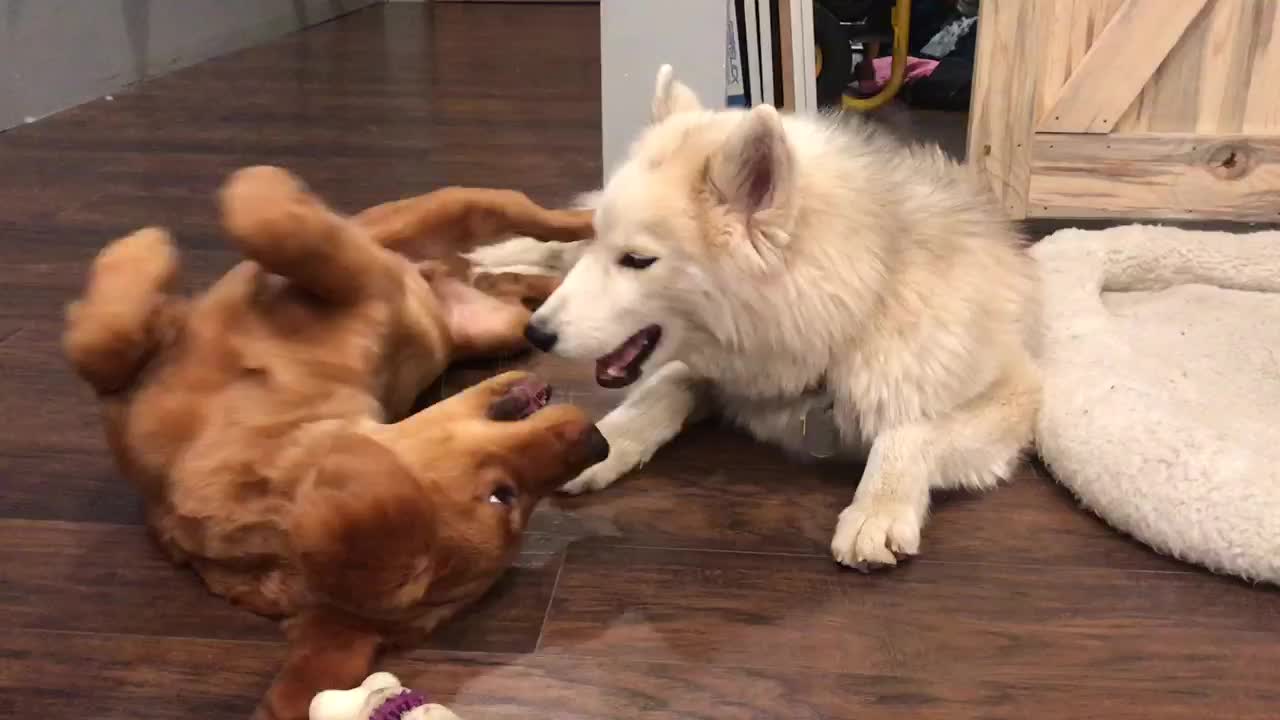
{"points": [[1129, 108]]}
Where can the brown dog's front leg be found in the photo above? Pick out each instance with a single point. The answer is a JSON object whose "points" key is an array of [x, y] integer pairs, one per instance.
{"points": [[278, 223], [326, 651]]}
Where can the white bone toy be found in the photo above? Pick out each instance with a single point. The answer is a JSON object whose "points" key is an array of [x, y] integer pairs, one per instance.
{"points": [[379, 697]]}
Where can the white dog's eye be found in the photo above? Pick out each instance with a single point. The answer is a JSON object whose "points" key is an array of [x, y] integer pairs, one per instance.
{"points": [[636, 262], [503, 495]]}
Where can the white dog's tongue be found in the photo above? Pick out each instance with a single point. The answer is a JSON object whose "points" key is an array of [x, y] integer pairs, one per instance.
{"points": [[616, 365]]}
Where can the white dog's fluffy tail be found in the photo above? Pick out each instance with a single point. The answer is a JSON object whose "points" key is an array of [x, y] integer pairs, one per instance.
{"points": [[529, 256]]}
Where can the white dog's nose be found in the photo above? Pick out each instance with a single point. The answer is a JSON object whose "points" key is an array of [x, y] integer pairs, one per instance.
{"points": [[540, 337]]}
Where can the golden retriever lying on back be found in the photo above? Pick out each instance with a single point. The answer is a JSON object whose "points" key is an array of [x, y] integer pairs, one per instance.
{"points": [[254, 419]]}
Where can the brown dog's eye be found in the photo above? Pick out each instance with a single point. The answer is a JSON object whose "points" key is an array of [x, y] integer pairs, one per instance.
{"points": [[636, 262], [503, 495]]}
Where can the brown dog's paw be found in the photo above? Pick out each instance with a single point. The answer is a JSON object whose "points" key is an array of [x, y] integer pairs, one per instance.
{"points": [[529, 290]]}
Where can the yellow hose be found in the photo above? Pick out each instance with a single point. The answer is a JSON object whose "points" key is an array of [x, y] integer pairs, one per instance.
{"points": [[901, 17]]}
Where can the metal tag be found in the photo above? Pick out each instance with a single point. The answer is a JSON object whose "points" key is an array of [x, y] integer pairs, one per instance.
{"points": [[821, 437]]}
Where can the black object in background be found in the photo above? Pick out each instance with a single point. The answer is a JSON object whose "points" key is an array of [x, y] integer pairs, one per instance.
{"points": [[748, 63]]}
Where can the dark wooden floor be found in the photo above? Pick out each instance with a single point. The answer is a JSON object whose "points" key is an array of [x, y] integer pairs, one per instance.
{"points": [[699, 588]]}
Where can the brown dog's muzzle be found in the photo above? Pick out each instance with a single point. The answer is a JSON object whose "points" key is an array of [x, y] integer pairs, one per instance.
{"points": [[556, 443], [520, 400], [595, 446], [506, 421]]}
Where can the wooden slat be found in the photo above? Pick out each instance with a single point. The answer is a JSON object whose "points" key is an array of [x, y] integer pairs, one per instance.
{"points": [[71, 675], [1170, 101], [1118, 65], [59, 675], [1156, 176], [1074, 26], [1219, 78], [1262, 108], [715, 489], [86, 577], [1002, 108], [1199, 633], [50, 409], [71, 486], [1225, 65], [93, 578], [618, 687]]}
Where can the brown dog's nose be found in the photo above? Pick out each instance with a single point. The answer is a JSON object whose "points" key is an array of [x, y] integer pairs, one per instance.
{"points": [[540, 337], [597, 446]]}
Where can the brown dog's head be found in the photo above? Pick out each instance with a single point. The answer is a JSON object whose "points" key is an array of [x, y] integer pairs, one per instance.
{"points": [[429, 511]]}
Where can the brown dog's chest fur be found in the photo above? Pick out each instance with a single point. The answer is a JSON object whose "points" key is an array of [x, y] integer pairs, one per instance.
{"points": [[257, 377]]}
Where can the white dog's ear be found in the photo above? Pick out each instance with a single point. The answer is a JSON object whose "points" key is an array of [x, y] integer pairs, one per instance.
{"points": [[753, 176], [670, 96]]}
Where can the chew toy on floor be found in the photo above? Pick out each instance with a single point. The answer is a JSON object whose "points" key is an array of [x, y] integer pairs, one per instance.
{"points": [[379, 697]]}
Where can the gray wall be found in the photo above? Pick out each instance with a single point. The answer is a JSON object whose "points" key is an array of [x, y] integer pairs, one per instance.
{"points": [[636, 38], [55, 54]]}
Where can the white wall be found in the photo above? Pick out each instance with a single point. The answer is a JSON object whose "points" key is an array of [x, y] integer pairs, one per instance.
{"points": [[639, 36], [55, 54]]}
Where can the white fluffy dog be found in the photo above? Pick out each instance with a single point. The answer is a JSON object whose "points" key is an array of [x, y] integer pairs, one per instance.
{"points": [[820, 285]]}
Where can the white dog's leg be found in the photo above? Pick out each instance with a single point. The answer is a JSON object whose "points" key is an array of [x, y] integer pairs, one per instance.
{"points": [[974, 447], [648, 419], [889, 507], [985, 441]]}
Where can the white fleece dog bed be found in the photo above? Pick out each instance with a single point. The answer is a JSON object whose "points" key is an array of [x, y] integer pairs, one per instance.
{"points": [[1162, 388]]}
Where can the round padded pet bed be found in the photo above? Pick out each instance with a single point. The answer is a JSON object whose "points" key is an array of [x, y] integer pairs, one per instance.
{"points": [[1162, 388]]}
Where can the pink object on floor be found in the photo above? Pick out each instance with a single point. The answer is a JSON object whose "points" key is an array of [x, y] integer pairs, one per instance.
{"points": [[916, 68]]}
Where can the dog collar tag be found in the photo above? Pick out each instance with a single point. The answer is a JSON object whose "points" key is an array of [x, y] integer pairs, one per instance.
{"points": [[821, 437]]}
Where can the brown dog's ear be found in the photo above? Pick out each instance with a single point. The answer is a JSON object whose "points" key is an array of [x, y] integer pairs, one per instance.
{"points": [[364, 529], [327, 651]]}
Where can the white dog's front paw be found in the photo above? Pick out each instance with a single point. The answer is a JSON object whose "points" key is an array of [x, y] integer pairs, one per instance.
{"points": [[597, 477], [875, 533]]}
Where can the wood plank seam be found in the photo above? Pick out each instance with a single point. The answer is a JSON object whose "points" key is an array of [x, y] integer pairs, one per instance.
{"points": [[1138, 38]]}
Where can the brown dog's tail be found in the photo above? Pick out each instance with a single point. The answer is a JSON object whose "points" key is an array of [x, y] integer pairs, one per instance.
{"points": [[125, 312]]}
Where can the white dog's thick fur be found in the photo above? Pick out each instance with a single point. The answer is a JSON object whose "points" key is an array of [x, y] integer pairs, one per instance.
{"points": [[802, 262]]}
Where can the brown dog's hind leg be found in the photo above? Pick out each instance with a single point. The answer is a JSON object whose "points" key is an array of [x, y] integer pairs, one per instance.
{"points": [[458, 220], [125, 312], [326, 652], [481, 325], [528, 290], [276, 222]]}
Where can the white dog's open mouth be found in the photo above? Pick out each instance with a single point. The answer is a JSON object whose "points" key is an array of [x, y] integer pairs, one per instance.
{"points": [[622, 367]]}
